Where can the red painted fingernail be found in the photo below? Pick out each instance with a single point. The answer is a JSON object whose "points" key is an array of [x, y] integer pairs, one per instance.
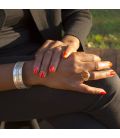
{"points": [[103, 93], [64, 54], [35, 70], [42, 74], [112, 73], [51, 69]]}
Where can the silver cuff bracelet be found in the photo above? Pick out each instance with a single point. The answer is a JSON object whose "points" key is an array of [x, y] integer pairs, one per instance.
{"points": [[17, 76]]}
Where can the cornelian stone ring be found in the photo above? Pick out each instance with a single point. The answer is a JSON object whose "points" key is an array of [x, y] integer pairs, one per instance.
{"points": [[85, 75]]}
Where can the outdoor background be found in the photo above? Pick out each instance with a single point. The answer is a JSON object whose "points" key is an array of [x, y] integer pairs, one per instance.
{"points": [[104, 38], [105, 32]]}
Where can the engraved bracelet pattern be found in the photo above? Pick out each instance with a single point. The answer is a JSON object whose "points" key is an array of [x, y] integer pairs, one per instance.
{"points": [[17, 76]]}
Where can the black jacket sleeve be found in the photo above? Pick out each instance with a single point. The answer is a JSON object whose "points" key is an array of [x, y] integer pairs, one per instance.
{"points": [[77, 23]]}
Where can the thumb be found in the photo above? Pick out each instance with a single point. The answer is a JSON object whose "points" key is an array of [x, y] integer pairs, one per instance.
{"points": [[91, 90], [69, 50]]}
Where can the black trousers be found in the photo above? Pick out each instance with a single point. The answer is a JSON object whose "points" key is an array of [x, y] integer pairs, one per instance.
{"points": [[71, 121], [45, 103]]}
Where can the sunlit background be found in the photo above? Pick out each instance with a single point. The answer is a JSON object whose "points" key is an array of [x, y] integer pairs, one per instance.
{"points": [[105, 32]]}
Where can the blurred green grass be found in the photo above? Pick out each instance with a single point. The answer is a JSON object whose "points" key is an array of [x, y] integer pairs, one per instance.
{"points": [[105, 32]]}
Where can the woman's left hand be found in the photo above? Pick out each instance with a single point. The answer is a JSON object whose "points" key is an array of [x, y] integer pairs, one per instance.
{"points": [[48, 57]]}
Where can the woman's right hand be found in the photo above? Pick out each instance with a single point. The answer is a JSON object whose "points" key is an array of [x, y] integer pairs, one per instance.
{"points": [[67, 76]]}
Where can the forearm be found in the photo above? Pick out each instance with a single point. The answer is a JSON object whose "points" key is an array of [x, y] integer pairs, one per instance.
{"points": [[6, 76], [6, 70], [77, 23]]}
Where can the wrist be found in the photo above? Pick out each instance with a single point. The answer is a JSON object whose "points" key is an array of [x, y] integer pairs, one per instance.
{"points": [[28, 77]]}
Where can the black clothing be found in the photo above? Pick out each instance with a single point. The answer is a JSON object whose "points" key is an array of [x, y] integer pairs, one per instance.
{"points": [[53, 24], [19, 36], [43, 102], [46, 103]]}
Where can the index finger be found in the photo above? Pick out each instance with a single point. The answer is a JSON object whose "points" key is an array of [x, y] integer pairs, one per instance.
{"points": [[69, 50], [101, 65]]}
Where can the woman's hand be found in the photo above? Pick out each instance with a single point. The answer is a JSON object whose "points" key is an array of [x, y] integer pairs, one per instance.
{"points": [[67, 76], [49, 55]]}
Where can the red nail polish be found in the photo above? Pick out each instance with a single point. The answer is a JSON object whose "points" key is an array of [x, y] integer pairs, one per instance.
{"points": [[35, 70], [64, 54], [112, 73], [42, 74], [103, 93], [51, 69]]}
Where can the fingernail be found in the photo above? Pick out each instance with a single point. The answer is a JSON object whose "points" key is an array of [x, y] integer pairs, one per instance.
{"points": [[65, 54], [110, 64], [103, 93], [51, 69], [35, 70], [42, 74], [112, 73]]}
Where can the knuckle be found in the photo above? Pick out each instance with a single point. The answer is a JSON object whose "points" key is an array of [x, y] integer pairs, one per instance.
{"points": [[96, 65], [75, 68], [49, 41], [81, 54], [96, 58], [41, 50], [59, 42], [59, 48], [90, 66], [93, 75], [85, 55]]}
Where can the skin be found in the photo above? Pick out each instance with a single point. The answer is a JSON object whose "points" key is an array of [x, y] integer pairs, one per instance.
{"points": [[62, 78], [48, 57], [66, 73], [67, 76]]}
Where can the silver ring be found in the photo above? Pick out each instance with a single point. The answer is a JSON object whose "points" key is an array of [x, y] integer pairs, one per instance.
{"points": [[85, 75]]}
